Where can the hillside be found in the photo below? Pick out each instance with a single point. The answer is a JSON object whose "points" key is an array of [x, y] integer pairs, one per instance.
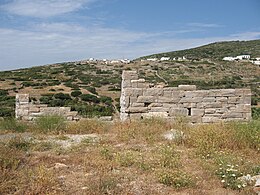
{"points": [[216, 50], [93, 88]]}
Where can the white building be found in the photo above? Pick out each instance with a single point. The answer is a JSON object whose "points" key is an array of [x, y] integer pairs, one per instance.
{"points": [[229, 59], [165, 58], [152, 59], [243, 57], [125, 61]]}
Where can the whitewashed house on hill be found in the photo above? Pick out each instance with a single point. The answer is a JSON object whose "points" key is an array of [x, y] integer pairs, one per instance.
{"points": [[243, 57], [165, 58]]}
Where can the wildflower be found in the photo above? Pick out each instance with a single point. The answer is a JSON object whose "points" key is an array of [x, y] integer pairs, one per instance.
{"points": [[223, 181], [239, 186], [233, 175], [244, 185], [223, 176]]}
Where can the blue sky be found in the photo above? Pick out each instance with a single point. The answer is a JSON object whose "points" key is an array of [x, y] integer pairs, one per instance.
{"points": [[37, 32]]}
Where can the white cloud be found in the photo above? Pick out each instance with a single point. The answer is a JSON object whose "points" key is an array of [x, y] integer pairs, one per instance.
{"points": [[49, 43], [44, 8], [204, 25]]}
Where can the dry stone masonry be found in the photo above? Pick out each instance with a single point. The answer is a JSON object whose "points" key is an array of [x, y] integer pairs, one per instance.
{"points": [[26, 110], [140, 100]]}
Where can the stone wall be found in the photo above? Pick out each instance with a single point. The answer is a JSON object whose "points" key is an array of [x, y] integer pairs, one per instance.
{"points": [[26, 110], [140, 100]]}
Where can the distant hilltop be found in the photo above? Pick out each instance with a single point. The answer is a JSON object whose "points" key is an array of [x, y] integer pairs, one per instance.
{"points": [[216, 51]]}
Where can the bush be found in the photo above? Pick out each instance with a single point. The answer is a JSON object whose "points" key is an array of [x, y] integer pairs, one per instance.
{"points": [[76, 93], [89, 98], [62, 96], [50, 124], [92, 90], [256, 113]]}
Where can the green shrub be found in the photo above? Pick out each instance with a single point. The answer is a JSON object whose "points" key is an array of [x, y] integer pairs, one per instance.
{"points": [[76, 93], [50, 124], [89, 98], [255, 113], [92, 90], [62, 96]]}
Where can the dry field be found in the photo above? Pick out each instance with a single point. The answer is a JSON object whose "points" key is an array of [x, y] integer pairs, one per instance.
{"points": [[151, 156]]}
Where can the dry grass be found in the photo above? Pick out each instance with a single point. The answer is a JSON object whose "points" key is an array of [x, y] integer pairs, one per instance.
{"points": [[133, 158]]}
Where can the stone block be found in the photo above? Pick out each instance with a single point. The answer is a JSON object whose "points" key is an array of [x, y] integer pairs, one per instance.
{"points": [[72, 113], [167, 94], [34, 108], [197, 112], [214, 93], [137, 109], [155, 114], [171, 105], [137, 92], [187, 87], [221, 110], [239, 92], [247, 99], [227, 92], [137, 104], [146, 99], [159, 109], [190, 100], [132, 99], [190, 105], [232, 115], [243, 108], [209, 99], [234, 100], [153, 92], [213, 105], [162, 99], [126, 84], [155, 105], [170, 89], [124, 101], [129, 75], [178, 112], [210, 111], [221, 99], [247, 92]]}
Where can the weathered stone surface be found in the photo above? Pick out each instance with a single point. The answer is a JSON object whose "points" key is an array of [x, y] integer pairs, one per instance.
{"points": [[137, 109], [213, 105], [155, 105], [129, 75], [228, 92], [137, 92], [167, 100], [197, 112], [210, 111], [209, 99], [137, 104], [232, 115], [190, 105], [234, 100], [153, 92], [155, 114], [178, 112], [159, 109], [146, 99]]}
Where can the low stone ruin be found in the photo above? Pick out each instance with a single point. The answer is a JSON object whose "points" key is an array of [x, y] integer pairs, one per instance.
{"points": [[26, 110], [140, 100]]}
